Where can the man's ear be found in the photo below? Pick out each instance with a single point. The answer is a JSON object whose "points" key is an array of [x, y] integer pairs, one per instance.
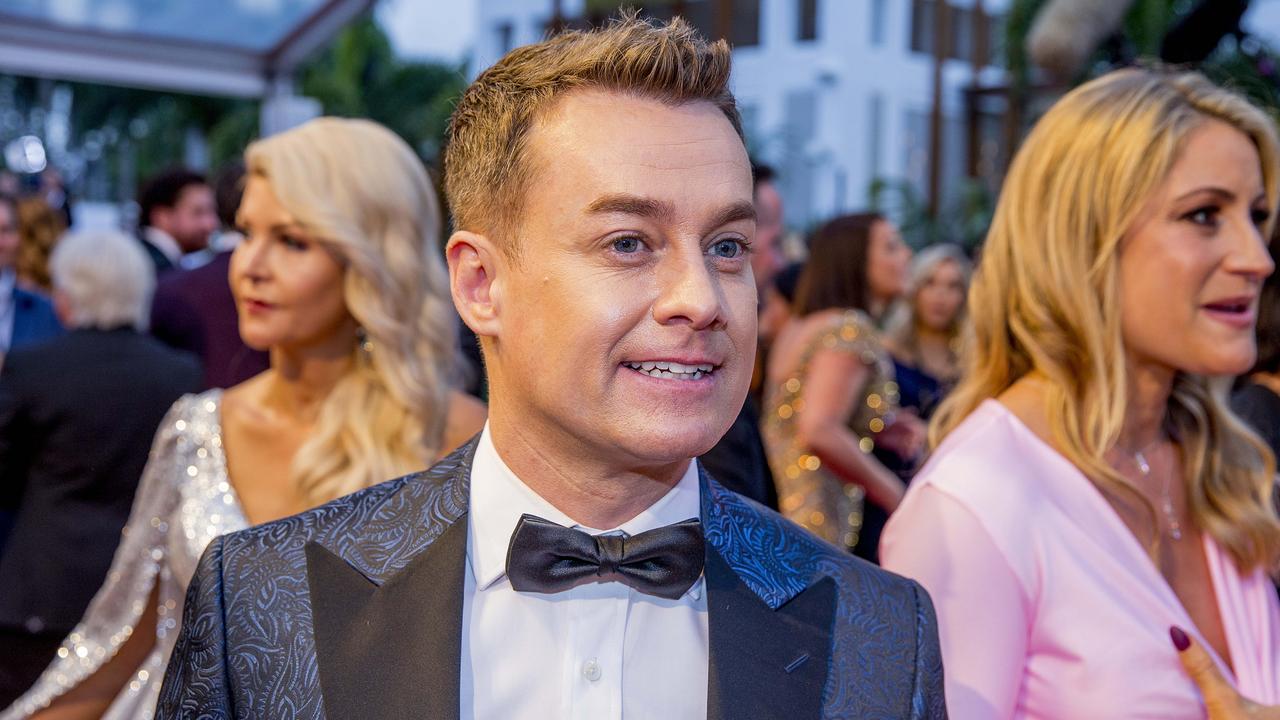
{"points": [[476, 272]]}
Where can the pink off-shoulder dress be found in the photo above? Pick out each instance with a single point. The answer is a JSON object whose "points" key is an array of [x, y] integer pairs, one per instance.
{"points": [[1048, 607]]}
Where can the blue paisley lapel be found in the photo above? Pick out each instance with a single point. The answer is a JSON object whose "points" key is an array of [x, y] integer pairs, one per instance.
{"points": [[387, 604], [771, 610]]}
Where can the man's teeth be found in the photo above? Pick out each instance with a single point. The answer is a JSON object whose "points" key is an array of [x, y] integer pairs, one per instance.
{"points": [[672, 370]]}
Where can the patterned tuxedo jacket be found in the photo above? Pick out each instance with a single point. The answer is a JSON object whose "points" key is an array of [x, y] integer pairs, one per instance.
{"points": [[354, 610]]}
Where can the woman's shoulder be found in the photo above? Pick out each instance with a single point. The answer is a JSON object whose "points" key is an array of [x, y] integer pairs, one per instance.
{"points": [[197, 407], [192, 421], [991, 463], [844, 329]]}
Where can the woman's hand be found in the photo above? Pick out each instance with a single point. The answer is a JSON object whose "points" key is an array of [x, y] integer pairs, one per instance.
{"points": [[1222, 700], [904, 437]]}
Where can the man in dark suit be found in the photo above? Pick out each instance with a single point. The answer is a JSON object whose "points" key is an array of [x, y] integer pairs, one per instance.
{"points": [[194, 310], [77, 416], [739, 461], [176, 216], [572, 561]]}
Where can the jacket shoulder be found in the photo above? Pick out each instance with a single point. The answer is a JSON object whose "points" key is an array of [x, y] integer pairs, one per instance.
{"points": [[779, 558], [180, 361], [32, 301], [377, 530]]}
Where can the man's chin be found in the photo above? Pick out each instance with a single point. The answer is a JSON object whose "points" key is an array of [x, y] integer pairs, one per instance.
{"points": [[670, 446]]}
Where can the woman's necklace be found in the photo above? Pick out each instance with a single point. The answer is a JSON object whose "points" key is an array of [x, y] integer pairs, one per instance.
{"points": [[1166, 499]]}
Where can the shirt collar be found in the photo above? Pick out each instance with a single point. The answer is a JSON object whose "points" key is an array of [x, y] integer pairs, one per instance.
{"points": [[163, 242], [499, 498]]}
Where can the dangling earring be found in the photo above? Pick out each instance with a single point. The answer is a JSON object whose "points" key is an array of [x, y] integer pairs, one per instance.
{"points": [[363, 344]]}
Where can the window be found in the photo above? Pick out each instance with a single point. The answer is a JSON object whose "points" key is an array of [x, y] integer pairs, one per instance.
{"points": [[807, 22], [875, 135], [879, 16], [960, 22], [922, 26], [744, 29], [505, 33], [738, 21]]}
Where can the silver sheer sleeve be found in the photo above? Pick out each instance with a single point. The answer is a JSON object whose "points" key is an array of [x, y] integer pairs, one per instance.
{"points": [[184, 500]]}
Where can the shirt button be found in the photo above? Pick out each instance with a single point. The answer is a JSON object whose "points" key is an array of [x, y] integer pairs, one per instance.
{"points": [[591, 670]]}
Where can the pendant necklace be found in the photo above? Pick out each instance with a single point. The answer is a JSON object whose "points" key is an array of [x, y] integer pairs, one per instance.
{"points": [[1166, 499]]}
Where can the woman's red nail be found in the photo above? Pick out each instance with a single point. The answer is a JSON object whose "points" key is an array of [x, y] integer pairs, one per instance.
{"points": [[1180, 639]]}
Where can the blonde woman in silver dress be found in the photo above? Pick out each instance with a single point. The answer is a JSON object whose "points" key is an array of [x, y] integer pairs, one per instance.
{"points": [[341, 279]]}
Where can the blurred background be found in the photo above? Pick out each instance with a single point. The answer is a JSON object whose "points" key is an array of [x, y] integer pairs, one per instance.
{"points": [[910, 106]]}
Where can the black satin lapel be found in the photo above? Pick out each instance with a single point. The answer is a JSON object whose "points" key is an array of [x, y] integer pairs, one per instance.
{"points": [[392, 651], [766, 663]]}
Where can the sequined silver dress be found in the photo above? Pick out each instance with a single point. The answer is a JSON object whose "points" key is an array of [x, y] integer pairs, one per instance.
{"points": [[184, 501]]}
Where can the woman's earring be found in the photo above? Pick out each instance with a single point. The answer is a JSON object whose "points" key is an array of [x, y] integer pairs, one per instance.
{"points": [[363, 342]]}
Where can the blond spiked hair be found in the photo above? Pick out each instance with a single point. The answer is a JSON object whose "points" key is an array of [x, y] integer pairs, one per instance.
{"points": [[487, 163]]}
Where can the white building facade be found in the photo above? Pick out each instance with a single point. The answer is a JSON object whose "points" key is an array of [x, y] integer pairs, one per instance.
{"points": [[836, 94]]}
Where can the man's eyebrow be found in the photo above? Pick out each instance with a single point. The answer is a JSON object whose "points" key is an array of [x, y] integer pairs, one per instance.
{"points": [[662, 210], [632, 205], [738, 211]]}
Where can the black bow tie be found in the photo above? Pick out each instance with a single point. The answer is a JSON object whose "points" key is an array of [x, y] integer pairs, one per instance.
{"points": [[546, 558]]}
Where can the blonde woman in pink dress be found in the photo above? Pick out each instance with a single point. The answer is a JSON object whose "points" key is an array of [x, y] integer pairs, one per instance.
{"points": [[1091, 495]]}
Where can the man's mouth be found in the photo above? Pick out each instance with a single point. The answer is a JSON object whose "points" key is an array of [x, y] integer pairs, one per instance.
{"points": [[672, 370]]}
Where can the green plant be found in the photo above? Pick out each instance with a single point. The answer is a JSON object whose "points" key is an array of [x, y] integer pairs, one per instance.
{"points": [[963, 220]]}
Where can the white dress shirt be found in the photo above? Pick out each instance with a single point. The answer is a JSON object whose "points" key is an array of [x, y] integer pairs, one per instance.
{"points": [[594, 652], [163, 242]]}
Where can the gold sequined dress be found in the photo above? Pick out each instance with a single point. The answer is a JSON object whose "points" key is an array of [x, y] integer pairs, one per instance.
{"points": [[184, 501], [809, 494]]}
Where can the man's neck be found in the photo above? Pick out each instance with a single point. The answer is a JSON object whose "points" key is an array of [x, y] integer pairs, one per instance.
{"points": [[595, 491]]}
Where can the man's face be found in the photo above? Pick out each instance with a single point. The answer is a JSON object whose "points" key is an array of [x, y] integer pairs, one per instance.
{"points": [[191, 220], [628, 320]]}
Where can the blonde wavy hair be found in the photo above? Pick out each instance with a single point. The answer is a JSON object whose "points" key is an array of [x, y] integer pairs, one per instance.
{"points": [[1046, 298], [362, 193]]}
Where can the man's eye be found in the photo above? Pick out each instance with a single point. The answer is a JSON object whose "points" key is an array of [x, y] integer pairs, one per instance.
{"points": [[729, 248], [627, 245]]}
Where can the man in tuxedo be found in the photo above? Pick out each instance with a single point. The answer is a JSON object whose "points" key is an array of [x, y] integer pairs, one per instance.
{"points": [[194, 309], [572, 561], [176, 216]]}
